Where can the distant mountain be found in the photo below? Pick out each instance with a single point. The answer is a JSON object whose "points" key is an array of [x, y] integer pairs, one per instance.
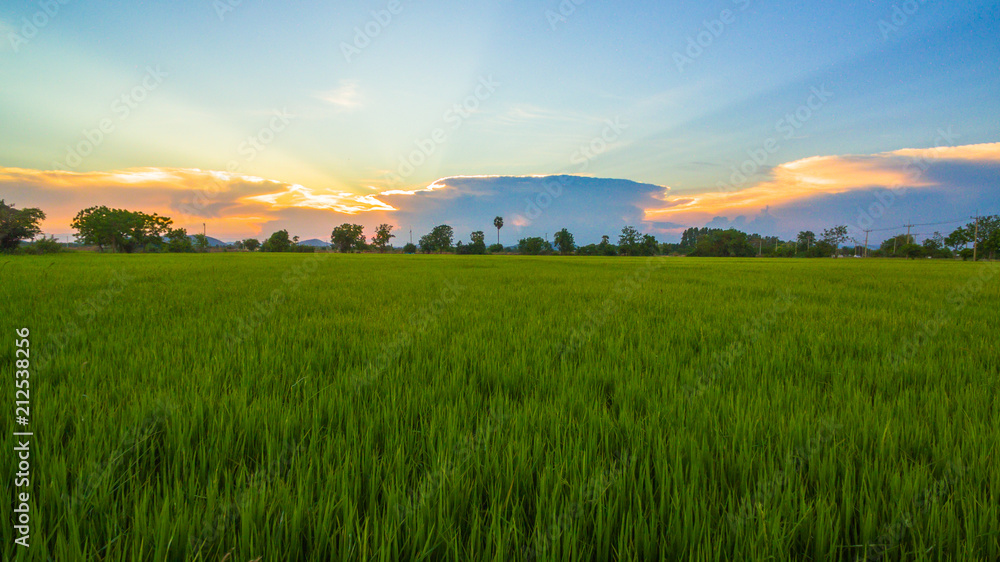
{"points": [[314, 242], [212, 242]]}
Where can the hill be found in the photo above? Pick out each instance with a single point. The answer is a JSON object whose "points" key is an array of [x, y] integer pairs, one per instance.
{"points": [[314, 242], [212, 242]]}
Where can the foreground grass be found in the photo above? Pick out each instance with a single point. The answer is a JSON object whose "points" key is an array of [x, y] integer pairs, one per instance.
{"points": [[329, 407]]}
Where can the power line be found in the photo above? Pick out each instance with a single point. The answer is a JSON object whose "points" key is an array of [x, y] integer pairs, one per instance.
{"points": [[922, 224]]}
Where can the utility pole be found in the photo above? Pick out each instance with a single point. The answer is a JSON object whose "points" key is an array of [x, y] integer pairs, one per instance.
{"points": [[204, 229], [908, 241], [975, 239], [760, 247], [866, 242], [411, 236]]}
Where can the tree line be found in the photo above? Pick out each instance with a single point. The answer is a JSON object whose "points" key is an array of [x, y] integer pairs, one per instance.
{"points": [[120, 230]]}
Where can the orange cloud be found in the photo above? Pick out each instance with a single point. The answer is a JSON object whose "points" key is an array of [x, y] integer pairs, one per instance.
{"points": [[234, 204], [821, 175], [134, 178], [303, 197]]}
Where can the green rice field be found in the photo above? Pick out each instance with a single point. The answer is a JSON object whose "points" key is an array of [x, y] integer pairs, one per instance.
{"points": [[389, 407]]}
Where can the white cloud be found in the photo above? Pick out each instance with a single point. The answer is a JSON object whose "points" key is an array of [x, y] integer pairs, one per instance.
{"points": [[345, 96], [7, 31]]}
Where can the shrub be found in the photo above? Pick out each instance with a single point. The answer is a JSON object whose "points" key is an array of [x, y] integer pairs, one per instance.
{"points": [[47, 246]]}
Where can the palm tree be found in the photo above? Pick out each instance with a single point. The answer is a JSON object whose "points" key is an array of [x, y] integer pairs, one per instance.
{"points": [[498, 222]]}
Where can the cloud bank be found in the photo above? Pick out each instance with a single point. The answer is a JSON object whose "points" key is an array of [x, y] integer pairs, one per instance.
{"points": [[863, 191]]}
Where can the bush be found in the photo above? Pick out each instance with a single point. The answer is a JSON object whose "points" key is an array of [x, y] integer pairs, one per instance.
{"points": [[820, 250], [495, 248], [476, 248], [534, 246], [911, 251], [38, 247], [729, 243], [410, 248], [47, 246]]}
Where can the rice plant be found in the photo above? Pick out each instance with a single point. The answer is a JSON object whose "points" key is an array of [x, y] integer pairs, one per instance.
{"points": [[390, 407]]}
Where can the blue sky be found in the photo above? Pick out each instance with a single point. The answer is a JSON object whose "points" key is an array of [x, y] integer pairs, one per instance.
{"points": [[315, 124]]}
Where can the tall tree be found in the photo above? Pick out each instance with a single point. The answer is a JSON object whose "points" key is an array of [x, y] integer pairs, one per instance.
{"points": [[498, 222], [689, 238], [648, 246], [606, 248], [18, 224], [628, 241], [201, 242], [251, 244], [988, 240], [893, 246], [348, 237], [122, 230], [278, 242], [478, 245], [835, 236], [806, 238], [179, 241], [439, 239], [564, 242], [383, 233], [533, 246], [426, 244], [958, 239], [729, 243]]}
